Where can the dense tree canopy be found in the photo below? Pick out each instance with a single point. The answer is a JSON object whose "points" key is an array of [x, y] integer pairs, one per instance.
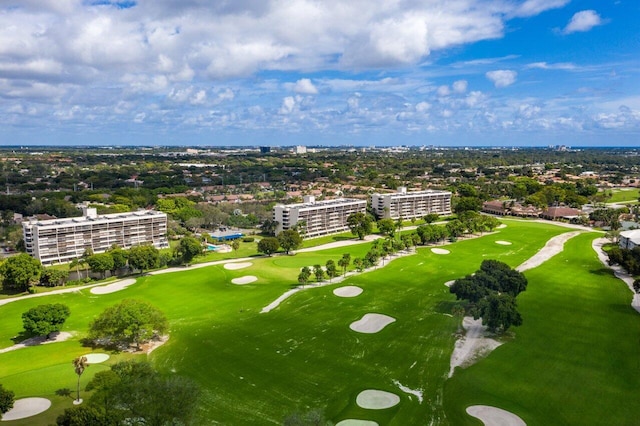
{"points": [[143, 257], [6, 400], [360, 224], [43, 320], [100, 263], [188, 249], [20, 272], [268, 245], [134, 390], [491, 292], [129, 322], [289, 239]]}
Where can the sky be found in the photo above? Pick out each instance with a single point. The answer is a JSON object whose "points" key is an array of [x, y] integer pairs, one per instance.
{"points": [[320, 72]]}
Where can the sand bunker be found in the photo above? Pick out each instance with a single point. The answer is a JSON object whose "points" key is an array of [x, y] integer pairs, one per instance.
{"points": [[371, 323], [472, 346], [234, 266], [503, 243], [449, 283], [96, 358], [501, 226], [355, 422], [554, 246], [348, 291], [56, 336], [440, 251], [244, 280], [492, 416], [372, 399], [26, 407], [112, 288]]}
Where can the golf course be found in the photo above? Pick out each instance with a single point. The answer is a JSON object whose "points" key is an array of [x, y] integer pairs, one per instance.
{"points": [[378, 350]]}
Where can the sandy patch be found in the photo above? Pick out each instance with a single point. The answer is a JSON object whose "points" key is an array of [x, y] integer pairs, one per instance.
{"points": [[348, 291], [492, 416], [38, 340], [371, 323], [112, 288], [372, 399], [503, 243], [472, 346], [26, 407], [96, 358], [415, 392], [244, 280], [355, 422], [449, 283], [440, 251], [554, 246], [235, 266], [501, 226]]}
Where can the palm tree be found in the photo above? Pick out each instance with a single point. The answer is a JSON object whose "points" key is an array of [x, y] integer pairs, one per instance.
{"points": [[79, 364]]}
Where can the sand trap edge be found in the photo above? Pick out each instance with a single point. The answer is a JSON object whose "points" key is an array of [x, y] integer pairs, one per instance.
{"points": [[373, 399], [247, 279], [494, 416], [26, 407]]}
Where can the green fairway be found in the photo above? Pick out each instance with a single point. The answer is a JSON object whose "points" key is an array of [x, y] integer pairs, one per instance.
{"points": [[621, 196], [575, 360], [256, 368]]}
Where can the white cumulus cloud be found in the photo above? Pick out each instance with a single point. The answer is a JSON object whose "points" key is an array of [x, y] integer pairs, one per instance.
{"points": [[305, 87], [502, 78], [583, 21]]}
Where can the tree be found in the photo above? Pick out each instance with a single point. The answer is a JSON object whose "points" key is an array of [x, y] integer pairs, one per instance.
{"points": [[344, 262], [6, 400], [431, 217], [636, 286], [129, 322], [289, 239], [332, 271], [135, 391], [100, 263], [269, 227], [360, 224], [268, 245], [143, 257], [318, 272], [20, 272], [79, 365], [52, 277], [304, 275], [188, 249], [492, 292], [76, 263], [119, 257], [43, 320], [83, 415], [468, 203], [387, 227], [358, 264], [235, 245]]}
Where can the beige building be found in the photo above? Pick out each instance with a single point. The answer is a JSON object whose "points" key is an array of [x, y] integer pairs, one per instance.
{"points": [[320, 217], [407, 205], [62, 240]]}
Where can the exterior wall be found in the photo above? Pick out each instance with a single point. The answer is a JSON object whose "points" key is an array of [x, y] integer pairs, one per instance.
{"points": [[321, 217], [62, 240], [411, 204]]}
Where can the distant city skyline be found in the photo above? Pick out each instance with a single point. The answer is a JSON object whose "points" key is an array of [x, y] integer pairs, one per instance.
{"points": [[302, 72]]}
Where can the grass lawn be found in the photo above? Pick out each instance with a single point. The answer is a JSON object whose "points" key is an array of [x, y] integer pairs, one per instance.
{"points": [[575, 360], [619, 196], [256, 368]]}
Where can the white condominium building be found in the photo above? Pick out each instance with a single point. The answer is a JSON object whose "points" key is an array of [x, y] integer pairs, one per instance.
{"points": [[320, 217], [62, 240], [407, 205]]}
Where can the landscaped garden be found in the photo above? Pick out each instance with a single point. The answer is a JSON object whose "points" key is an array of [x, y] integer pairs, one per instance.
{"points": [[573, 361]]}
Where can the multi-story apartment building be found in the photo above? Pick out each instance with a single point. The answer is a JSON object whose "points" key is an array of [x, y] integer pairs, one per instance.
{"points": [[320, 217], [62, 240], [407, 205]]}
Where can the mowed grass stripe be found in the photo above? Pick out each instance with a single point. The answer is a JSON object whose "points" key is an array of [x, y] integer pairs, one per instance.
{"points": [[576, 358]]}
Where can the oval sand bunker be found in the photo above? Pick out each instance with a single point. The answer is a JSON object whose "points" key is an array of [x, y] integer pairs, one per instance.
{"points": [[348, 291], [440, 251], [26, 407], [96, 358], [234, 266], [244, 280], [372, 399], [503, 243], [356, 422], [491, 416], [449, 283], [371, 323]]}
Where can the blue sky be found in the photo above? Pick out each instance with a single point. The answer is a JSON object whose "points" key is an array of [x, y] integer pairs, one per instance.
{"points": [[303, 72]]}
